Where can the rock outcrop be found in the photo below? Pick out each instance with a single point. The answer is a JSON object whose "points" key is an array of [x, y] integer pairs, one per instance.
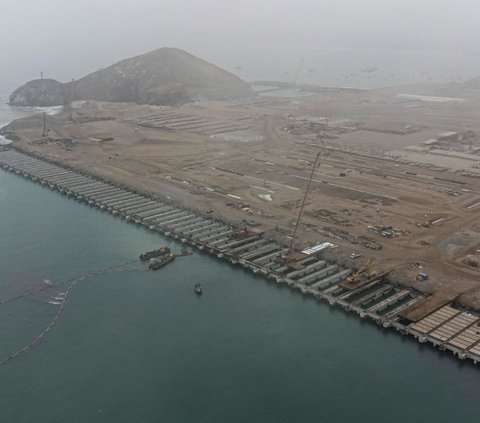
{"points": [[39, 92], [166, 76]]}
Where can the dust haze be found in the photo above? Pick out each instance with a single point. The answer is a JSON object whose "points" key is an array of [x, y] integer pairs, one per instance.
{"points": [[69, 39]]}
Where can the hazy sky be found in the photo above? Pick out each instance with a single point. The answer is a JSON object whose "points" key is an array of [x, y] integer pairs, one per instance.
{"points": [[51, 33]]}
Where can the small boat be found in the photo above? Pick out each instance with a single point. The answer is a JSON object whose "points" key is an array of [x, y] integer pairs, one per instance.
{"points": [[184, 252], [198, 289]]}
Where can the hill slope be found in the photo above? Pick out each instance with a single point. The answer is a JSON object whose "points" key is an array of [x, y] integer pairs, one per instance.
{"points": [[166, 76]]}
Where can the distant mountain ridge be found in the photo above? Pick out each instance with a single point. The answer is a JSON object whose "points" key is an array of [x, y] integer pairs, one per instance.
{"points": [[166, 76]]}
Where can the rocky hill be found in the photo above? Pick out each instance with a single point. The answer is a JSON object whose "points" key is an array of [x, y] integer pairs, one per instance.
{"points": [[166, 76]]}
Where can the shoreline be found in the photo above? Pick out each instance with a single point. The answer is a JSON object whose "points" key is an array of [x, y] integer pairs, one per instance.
{"points": [[252, 250]]}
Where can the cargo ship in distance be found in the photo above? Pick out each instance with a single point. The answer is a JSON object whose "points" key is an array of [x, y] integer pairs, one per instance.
{"points": [[154, 253]]}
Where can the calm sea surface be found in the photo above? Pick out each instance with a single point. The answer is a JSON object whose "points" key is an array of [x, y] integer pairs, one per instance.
{"points": [[140, 346]]}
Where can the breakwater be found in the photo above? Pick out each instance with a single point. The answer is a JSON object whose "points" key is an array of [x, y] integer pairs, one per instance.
{"points": [[440, 324]]}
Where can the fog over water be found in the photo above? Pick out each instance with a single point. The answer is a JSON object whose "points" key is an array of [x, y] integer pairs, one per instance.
{"points": [[341, 42]]}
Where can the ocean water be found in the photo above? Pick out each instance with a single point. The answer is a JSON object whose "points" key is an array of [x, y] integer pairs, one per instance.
{"points": [[367, 69], [139, 346]]}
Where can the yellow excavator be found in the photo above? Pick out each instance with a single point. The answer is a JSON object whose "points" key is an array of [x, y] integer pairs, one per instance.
{"points": [[366, 271]]}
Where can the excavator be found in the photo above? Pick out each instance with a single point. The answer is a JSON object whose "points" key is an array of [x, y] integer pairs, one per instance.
{"points": [[366, 271]]}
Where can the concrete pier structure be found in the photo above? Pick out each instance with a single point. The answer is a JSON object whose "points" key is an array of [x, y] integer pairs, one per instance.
{"points": [[154, 212], [92, 187], [144, 205]]}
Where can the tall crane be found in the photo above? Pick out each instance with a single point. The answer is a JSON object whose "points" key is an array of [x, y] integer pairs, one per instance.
{"points": [[303, 202], [298, 72]]}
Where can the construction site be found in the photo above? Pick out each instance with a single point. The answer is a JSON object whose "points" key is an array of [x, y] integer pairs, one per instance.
{"points": [[367, 199]]}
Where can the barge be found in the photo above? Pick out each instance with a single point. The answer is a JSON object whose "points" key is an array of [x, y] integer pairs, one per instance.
{"points": [[158, 264], [154, 253]]}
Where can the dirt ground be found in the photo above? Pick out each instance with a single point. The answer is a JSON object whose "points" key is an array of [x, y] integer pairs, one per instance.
{"points": [[408, 216]]}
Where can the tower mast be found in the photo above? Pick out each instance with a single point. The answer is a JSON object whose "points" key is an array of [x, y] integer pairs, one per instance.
{"points": [[44, 132]]}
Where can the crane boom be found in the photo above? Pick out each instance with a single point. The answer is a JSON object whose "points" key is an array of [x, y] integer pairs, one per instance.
{"points": [[304, 200]]}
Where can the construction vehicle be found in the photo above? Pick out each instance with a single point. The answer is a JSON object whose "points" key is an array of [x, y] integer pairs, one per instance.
{"points": [[367, 271]]}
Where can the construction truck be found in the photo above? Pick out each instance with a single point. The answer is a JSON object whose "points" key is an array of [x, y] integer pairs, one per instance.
{"points": [[366, 271]]}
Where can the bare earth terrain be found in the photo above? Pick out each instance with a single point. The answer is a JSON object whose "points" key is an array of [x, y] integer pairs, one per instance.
{"points": [[398, 179]]}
